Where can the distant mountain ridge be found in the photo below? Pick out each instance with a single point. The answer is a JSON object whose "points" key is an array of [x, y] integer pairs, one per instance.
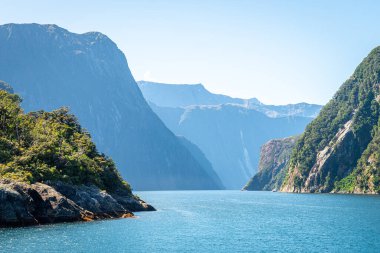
{"points": [[229, 131], [183, 95], [51, 67]]}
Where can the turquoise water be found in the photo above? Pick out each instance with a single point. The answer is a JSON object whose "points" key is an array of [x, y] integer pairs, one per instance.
{"points": [[218, 221]]}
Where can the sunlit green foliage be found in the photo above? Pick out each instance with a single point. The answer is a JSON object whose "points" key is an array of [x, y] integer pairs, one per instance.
{"points": [[366, 176], [356, 101], [42, 146]]}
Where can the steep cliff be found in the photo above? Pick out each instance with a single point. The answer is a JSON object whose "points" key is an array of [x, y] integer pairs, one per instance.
{"points": [[339, 149], [51, 67], [201, 159], [274, 159]]}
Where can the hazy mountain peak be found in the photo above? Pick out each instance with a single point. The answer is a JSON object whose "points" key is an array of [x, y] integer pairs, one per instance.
{"points": [[198, 87], [181, 95], [52, 31], [184, 95], [51, 67]]}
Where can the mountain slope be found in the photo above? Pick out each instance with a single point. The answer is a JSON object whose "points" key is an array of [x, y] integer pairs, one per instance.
{"points": [[339, 149], [51, 67], [229, 135], [274, 159], [202, 160]]}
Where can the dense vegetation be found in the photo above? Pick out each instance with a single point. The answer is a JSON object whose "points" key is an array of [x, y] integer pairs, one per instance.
{"points": [[366, 176], [42, 146], [355, 101]]}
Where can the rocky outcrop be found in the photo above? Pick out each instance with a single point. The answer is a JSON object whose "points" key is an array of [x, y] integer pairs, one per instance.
{"points": [[24, 204], [274, 159]]}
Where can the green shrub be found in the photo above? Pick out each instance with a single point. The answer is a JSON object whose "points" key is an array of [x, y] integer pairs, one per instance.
{"points": [[51, 146]]}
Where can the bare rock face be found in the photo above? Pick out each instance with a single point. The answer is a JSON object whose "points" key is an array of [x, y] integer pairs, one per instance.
{"points": [[102, 203], [15, 206], [274, 159], [23, 204]]}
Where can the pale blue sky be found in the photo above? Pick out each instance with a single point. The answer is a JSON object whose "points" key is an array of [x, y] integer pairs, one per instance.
{"points": [[278, 51]]}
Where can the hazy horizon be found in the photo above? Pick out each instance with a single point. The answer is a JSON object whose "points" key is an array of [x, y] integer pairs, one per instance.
{"points": [[278, 52]]}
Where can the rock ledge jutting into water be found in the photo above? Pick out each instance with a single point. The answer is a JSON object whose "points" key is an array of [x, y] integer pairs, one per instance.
{"points": [[23, 204]]}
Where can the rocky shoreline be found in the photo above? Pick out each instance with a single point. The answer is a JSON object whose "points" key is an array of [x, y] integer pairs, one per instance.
{"points": [[23, 204]]}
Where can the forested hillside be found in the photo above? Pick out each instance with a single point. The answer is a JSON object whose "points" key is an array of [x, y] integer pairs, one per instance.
{"points": [[339, 149]]}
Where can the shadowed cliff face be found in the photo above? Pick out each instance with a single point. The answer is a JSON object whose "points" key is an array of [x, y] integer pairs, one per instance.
{"points": [[274, 159], [185, 95], [51, 67], [339, 150]]}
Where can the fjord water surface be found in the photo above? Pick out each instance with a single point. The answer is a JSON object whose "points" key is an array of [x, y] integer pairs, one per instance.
{"points": [[218, 221]]}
